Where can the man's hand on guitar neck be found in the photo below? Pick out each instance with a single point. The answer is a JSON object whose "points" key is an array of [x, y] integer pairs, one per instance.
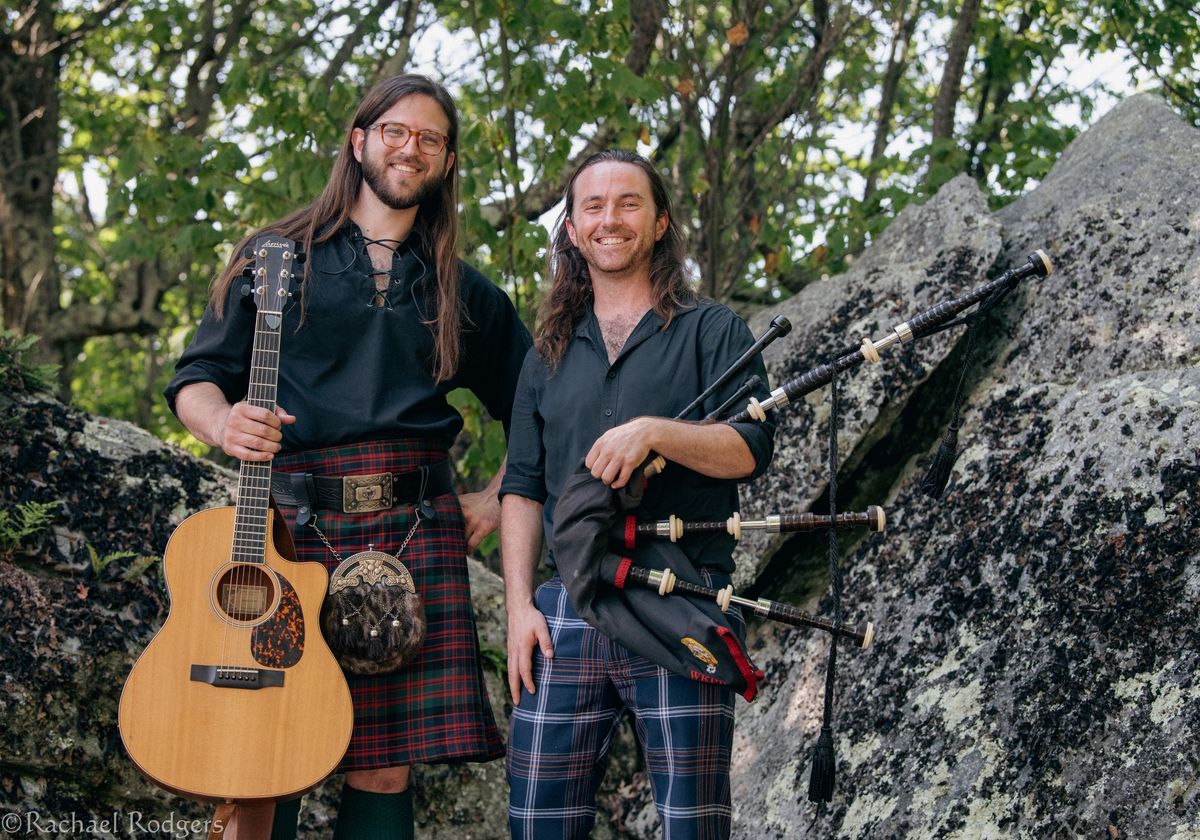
{"points": [[243, 431], [251, 433]]}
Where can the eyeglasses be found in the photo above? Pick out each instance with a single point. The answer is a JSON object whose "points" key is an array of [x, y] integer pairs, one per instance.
{"points": [[396, 136]]}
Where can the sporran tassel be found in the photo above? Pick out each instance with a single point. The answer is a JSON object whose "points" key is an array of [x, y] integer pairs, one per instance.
{"points": [[376, 647], [344, 636]]}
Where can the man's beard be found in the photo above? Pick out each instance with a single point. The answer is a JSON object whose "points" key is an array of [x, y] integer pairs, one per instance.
{"points": [[375, 174]]}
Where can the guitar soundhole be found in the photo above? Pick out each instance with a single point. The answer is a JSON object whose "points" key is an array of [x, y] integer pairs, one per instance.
{"points": [[245, 593]]}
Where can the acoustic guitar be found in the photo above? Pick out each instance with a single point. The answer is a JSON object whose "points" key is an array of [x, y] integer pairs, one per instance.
{"points": [[238, 698]]}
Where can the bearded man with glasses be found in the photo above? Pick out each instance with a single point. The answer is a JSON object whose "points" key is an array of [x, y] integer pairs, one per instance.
{"points": [[387, 322]]}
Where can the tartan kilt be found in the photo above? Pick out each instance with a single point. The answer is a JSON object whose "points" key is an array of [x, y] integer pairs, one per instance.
{"points": [[435, 710]]}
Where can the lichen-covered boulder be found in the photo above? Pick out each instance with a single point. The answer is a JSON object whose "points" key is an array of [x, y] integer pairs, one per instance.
{"points": [[1037, 668], [928, 254], [80, 599]]}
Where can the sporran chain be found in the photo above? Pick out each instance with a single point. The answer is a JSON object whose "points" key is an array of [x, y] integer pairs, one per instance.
{"points": [[403, 545]]}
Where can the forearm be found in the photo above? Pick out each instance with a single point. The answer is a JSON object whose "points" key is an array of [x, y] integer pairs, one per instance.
{"points": [[493, 486], [520, 548], [481, 511], [713, 449], [203, 410]]}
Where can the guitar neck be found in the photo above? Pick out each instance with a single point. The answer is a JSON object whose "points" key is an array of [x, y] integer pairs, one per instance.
{"points": [[254, 480]]}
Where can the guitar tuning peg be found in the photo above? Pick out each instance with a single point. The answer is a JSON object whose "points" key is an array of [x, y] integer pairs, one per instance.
{"points": [[247, 295], [248, 270], [301, 258], [248, 251]]}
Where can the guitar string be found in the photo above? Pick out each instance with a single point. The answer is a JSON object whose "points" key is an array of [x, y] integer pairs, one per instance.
{"points": [[245, 549], [268, 374]]}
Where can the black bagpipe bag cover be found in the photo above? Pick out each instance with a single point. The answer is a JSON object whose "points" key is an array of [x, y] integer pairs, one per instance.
{"points": [[686, 635]]}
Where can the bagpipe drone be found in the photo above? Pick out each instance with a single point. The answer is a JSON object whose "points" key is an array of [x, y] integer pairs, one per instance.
{"points": [[629, 578]]}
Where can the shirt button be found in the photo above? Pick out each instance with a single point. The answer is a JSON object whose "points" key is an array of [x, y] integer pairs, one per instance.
{"points": [[608, 412], [612, 374]]}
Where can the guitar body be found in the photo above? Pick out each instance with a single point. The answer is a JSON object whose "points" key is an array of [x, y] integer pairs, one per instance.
{"points": [[237, 697]]}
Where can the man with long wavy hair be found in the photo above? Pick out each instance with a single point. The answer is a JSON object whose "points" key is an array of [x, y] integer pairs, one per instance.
{"points": [[623, 343], [387, 322]]}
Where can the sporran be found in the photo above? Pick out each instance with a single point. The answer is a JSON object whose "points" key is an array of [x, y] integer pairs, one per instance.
{"points": [[373, 617]]}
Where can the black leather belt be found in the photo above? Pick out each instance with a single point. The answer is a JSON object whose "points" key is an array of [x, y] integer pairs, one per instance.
{"points": [[362, 493]]}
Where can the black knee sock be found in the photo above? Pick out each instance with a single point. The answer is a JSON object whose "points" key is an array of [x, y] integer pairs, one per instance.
{"points": [[374, 816], [286, 816]]}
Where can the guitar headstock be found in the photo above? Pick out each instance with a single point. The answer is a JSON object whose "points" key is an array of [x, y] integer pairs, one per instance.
{"points": [[275, 260]]}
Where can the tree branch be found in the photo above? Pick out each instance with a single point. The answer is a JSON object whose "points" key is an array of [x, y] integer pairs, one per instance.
{"points": [[1183, 96], [806, 85], [398, 62], [134, 308], [646, 20], [956, 59], [351, 42], [91, 23], [904, 26]]}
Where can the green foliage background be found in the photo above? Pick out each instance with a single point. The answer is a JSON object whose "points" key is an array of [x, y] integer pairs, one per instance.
{"points": [[182, 123]]}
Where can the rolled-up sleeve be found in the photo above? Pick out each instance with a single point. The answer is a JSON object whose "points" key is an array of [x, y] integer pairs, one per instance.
{"points": [[496, 348], [525, 474], [218, 352]]}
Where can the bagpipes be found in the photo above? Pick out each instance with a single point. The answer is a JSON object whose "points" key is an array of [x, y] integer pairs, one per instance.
{"points": [[674, 529], [927, 323], [691, 635]]}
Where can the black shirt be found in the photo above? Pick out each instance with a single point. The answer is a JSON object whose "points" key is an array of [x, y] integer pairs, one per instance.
{"points": [[359, 368], [558, 416]]}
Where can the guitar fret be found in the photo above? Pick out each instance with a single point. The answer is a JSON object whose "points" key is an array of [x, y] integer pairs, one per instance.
{"points": [[254, 482]]}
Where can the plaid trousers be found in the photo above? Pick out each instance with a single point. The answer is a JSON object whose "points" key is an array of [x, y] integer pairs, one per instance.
{"points": [[560, 736]]}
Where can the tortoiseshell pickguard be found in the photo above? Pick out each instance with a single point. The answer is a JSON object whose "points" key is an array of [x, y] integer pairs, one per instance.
{"points": [[279, 641]]}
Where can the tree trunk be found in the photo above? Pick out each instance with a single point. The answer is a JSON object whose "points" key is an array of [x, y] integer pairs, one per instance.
{"points": [[994, 98], [29, 75], [956, 60], [904, 24]]}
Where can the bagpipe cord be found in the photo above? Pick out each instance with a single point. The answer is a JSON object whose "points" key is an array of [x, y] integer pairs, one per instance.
{"points": [[934, 483], [820, 782]]}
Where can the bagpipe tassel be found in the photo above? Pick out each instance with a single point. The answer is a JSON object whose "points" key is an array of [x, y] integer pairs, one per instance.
{"points": [[935, 481], [820, 782]]}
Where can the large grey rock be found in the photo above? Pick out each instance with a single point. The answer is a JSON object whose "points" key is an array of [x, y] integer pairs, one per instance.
{"points": [[1037, 671], [932, 251], [79, 601], [1120, 214]]}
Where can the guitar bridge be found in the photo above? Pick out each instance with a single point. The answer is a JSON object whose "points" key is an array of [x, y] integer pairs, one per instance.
{"points": [[249, 678]]}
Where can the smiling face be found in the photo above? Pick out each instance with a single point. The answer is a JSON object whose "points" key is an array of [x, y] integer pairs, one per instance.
{"points": [[403, 178], [613, 221]]}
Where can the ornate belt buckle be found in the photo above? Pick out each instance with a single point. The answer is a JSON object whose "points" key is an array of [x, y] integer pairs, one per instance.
{"points": [[365, 493]]}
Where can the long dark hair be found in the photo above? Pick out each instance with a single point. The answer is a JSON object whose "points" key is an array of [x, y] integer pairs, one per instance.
{"points": [[323, 218], [571, 284]]}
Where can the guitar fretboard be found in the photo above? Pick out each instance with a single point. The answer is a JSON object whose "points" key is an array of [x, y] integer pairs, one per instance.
{"points": [[254, 481]]}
